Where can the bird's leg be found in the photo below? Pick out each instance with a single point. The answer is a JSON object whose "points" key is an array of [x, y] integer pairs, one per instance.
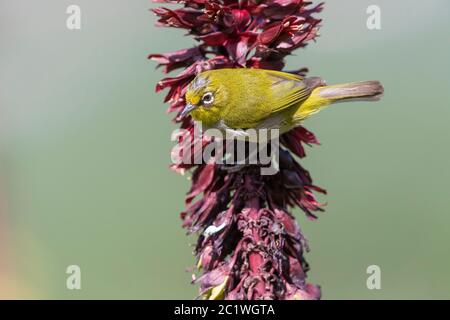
{"points": [[230, 152], [233, 168], [250, 158]]}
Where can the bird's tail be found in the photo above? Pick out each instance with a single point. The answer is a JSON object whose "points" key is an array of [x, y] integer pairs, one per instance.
{"points": [[325, 95]]}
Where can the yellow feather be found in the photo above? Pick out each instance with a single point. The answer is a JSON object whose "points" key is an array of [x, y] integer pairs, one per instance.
{"points": [[257, 98]]}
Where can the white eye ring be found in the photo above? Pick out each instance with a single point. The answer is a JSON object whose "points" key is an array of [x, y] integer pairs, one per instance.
{"points": [[208, 98]]}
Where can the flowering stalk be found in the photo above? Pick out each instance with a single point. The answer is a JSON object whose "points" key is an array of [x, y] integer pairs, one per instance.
{"points": [[250, 246]]}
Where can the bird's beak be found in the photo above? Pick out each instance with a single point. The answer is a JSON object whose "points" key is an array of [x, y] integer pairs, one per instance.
{"points": [[188, 108]]}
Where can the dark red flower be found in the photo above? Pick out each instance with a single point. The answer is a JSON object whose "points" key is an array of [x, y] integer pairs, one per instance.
{"points": [[250, 246]]}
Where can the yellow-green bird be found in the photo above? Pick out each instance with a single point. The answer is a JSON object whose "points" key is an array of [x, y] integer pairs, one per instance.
{"points": [[234, 100]]}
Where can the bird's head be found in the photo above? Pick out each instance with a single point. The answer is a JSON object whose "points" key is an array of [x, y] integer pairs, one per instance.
{"points": [[205, 98]]}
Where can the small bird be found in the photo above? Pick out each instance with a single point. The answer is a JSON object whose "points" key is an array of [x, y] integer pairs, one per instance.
{"points": [[234, 100]]}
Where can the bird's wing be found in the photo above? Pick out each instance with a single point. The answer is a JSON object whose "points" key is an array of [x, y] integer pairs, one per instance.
{"points": [[288, 89]]}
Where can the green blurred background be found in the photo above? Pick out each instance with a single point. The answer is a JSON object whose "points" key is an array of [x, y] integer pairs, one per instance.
{"points": [[85, 147]]}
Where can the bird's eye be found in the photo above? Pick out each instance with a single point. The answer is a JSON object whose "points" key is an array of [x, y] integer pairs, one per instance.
{"points": [[208, 98]]}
